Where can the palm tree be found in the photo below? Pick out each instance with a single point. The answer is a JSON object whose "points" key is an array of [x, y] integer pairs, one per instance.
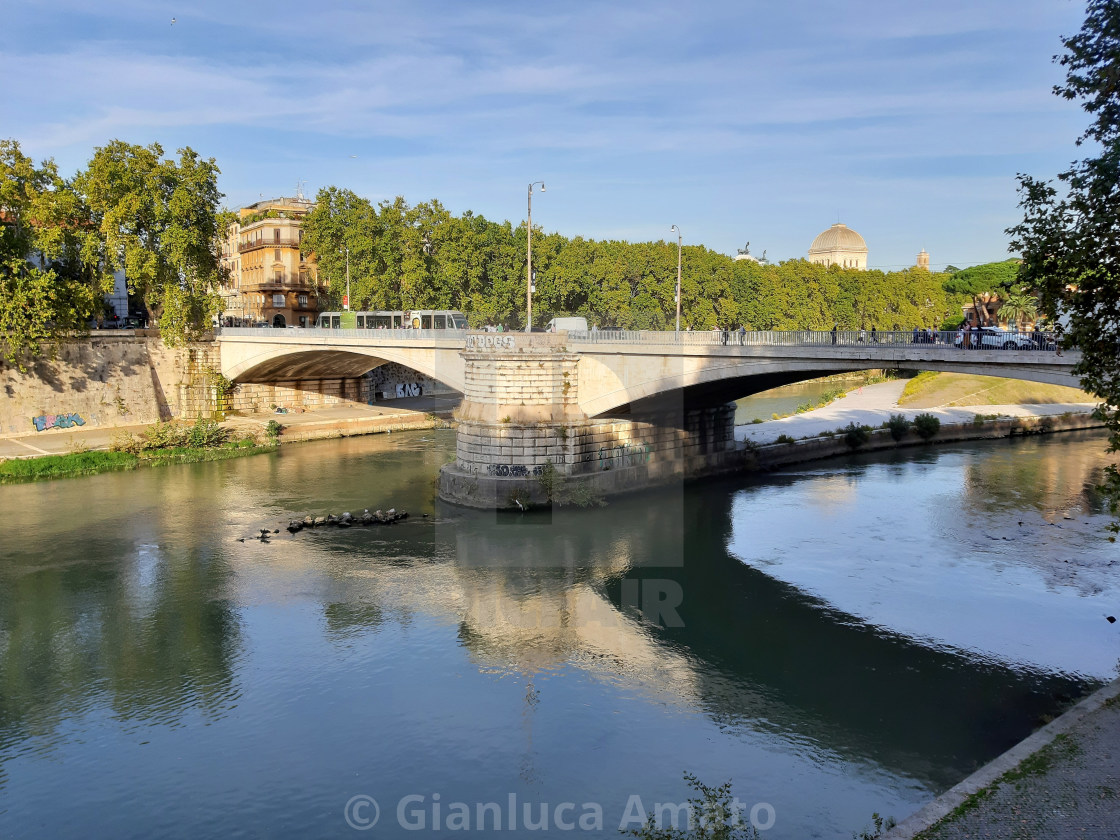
{"points": [[1019, 308]]}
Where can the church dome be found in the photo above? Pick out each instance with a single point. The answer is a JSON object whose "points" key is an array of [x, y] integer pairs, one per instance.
{"points": [[838, 238], [839, 245]]}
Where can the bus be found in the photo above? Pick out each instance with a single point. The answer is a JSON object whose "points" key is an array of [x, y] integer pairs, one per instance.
{"points": [[416, 319]]}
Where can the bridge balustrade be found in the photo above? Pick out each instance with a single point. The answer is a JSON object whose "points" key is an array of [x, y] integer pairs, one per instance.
{"points": [[1004, 340], [320, 334]]}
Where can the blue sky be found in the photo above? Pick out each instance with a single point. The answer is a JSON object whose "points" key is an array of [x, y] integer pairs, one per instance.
{"points": [[737, 121]]}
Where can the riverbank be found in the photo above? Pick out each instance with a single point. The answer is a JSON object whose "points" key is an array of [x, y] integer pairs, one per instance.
{"points": [[872, 405], [333, 422], [1061, 783], [72, 464]]}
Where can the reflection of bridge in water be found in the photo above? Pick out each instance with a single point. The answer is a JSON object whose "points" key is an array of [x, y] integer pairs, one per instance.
{"points": [[586, 402]]}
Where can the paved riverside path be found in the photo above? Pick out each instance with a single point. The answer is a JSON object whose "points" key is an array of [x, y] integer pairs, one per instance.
{"points": [[873, 404], [1062, 783], [363, 418]]}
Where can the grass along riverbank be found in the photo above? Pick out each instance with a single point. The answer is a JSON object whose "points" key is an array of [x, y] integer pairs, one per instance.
{"points": [[934, 390], [162, 443]]}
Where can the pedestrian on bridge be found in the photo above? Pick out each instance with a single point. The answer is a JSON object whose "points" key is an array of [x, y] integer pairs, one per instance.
{"points": [[835, 327]]}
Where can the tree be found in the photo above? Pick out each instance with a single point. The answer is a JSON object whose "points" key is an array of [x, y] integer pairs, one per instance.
{"points": [[1019, 308], [158, 220], [984, 284], [49, 284], [1070, 237]]}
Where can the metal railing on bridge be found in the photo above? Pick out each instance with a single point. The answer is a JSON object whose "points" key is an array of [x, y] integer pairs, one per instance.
{"points": [[987, 339], [990, 338], [319, 334]]}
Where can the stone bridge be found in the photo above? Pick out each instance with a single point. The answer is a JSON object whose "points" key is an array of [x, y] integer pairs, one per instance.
{"points": [[612, 409]]}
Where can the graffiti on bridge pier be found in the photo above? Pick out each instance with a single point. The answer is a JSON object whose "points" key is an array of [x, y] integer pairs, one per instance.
{"points": [[624, 455], [513, 470]]}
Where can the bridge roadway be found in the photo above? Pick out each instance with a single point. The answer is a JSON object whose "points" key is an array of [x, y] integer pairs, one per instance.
{"points": [[616, 369]]}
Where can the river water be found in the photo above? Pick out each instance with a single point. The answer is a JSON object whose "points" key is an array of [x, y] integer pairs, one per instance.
{"points": [[851, 637]]}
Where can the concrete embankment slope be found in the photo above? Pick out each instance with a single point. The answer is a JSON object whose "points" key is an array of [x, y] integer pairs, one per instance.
{"points": [[873, 404], [1061, 783]]}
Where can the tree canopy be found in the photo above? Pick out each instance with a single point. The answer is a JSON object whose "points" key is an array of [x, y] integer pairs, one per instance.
{"points": [[1070, 233], [48, 278], [157, 219], [61, 241], [406, 256]]}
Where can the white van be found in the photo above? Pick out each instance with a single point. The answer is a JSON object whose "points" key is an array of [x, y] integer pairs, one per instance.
{"points": [[557, 324]]}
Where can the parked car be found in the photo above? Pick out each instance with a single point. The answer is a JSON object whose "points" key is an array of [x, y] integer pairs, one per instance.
{"points": [[997, 338]]}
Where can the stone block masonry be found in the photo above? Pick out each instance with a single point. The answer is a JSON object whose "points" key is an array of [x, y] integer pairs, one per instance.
{"points": [[109, 379], [520, 425], [118, 378]]}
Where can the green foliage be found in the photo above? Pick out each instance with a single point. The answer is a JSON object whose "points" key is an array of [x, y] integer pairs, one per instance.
{"points": [[856, 435], [712, 816], [899, 426], [984, 284], [1019, 309], [916, 384], [125, 441], [165, 435], [157, 219], [205, 434], [926, 426], [1069, 238], [59, 466], [824, 399], [878, 826], [49, 281], [404, 256], [273, 430], [785, 439]]}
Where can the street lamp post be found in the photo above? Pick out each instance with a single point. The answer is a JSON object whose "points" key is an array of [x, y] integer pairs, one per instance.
{"points": [[347, 307], [678, 230], [529, 274]]}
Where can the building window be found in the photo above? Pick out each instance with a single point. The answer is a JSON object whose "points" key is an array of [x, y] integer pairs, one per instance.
{"points": [[303, 300], [276, 254], [278, 301]]}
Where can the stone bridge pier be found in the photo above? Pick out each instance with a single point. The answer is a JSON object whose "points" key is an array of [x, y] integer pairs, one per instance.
{"points": [[524, 441]]}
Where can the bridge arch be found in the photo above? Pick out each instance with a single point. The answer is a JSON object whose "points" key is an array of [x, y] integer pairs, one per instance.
{"points": [[717, 380], [262, 363]]}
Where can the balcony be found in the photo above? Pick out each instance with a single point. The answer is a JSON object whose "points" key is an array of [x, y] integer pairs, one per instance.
{"points": [[257, 244]]}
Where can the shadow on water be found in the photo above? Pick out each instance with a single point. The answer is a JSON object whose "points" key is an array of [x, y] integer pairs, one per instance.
{"points": [[142, 607]]}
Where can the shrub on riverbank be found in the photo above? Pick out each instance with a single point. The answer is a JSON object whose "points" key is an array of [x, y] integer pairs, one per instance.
{"points": [[856, 435], [899, 426], [160, 443], [926, 426]]}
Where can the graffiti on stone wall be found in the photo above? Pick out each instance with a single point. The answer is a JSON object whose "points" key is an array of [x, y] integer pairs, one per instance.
{"points": [[624, 455], [409, 389], [513, 470], [57, 421], [489, 342]]}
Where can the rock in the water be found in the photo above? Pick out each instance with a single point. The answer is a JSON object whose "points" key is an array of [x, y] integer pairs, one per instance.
{"points": [[332, 519], [294, 526], [346, 517], [344, 523], [320, 520], [308, 521], [367, 518]]}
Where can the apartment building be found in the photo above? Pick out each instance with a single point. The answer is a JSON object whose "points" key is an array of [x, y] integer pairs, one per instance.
{"points": [[272, 279]]}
